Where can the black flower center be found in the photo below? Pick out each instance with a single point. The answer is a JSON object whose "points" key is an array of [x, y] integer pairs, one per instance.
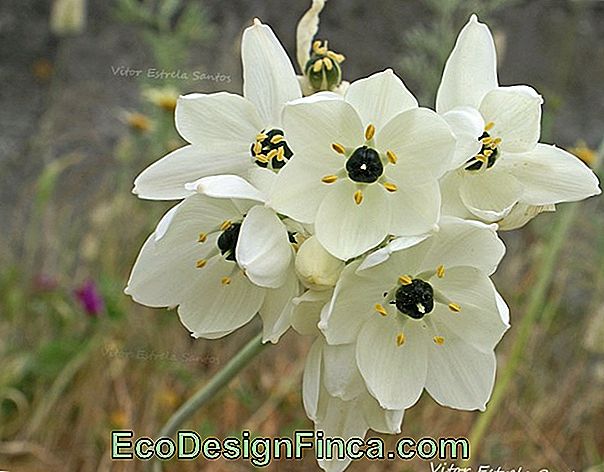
{"points": [[488, 153], [415, 299], [227, 241], [364, 165], [270, 149]]}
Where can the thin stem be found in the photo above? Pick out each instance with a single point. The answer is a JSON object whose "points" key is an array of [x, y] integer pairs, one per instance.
{"points": [[207, 392]]}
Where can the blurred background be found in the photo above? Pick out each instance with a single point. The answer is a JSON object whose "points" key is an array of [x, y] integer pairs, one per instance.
{"points": [[88, 90]]}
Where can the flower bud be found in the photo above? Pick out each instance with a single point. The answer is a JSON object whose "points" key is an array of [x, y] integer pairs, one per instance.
{"points": [[323, 70], [317, 268]]}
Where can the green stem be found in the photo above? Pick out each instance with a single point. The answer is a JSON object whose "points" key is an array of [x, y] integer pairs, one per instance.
{"points": [[207, 392]]}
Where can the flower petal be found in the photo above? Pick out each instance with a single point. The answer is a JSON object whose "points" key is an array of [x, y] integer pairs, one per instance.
{"points": [[490, 195], [467, 125], [277, 310], [415, 207], [166, 178], [215, 309], [342, 378], [221, 122], [311, 379], [307, 310], [263, 248], [551, 175], [226, 186], [459, 376], [347, 229], [516, 114], [269, 79], [471, 69], [379, 419], [395, 375], [422, 141], [379, 97]]}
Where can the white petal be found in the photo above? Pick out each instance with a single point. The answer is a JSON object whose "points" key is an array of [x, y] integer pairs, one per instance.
{"points": [[269, 79], [263, 248], [459, 376], [422, 141], [306, 30], [415, 207], [395, 375], [380, 97], [342, 378], [311, 379], [521, 214], [166, 178], [379, 419], [221, 122], [516, 114], [479, 322], [307, 310], [462, 243], [276, 312], [452, 205], [380, 255], [215, 309], [226, 186], [490, 195], [551, 175], [353, 302], [467, 125], [470, 71]]}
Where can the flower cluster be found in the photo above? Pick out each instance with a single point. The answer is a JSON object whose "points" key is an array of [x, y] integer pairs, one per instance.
{"points": [[352, 214]]}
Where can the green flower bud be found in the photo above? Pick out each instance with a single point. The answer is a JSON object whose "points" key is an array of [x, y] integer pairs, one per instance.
{"points": [[323, 69]]}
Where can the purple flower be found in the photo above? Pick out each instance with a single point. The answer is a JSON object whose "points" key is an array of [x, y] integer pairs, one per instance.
{"points": [[90, 298]]}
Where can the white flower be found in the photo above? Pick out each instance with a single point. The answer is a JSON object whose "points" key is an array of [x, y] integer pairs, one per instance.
{"points": [[364, 166], [498, 162], [230, 134], [317, 268], [191, 261], [427, 317]]}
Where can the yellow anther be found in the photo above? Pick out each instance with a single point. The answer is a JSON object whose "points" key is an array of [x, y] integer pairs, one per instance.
{"points": [[497, 141], [226, 224], [391, 157], [481, 158], [405, 279], [272, 153], [329, 179], [338, 148], [317, 66], [257, 148], [487, 140], [454, 307], [328, 63], [438, 340], [440, 271], [380, 309], [261, 137], [489, 126], [400, 339], [390, 187], [358, 197], [201, 263], [369, 132], [202, 237], [281, 154], [262, 158], [487, 152], [225, 281], [316, 45], [336, 56], [277, 139]]}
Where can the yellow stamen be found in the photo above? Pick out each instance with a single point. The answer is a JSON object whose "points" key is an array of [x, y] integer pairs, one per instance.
{"points": [[369, 132], [329, 179], [226, 224], [380, 309], [201, 263], [272, 153], [454, 307], [487, 140], [481, 158], [400, 339], [281, 154], [277, 139], [202, 237], [262, 158], [391, 157], [336, 56], [487, 152], [225, 281], [440, 271], [497, 141], [405, 279], [316, 45], [358, 197], [328, 63], [317, 66], [257, 148], [439, 340], [489, 126], [261, 137], [338, 148], [390, 187]]}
